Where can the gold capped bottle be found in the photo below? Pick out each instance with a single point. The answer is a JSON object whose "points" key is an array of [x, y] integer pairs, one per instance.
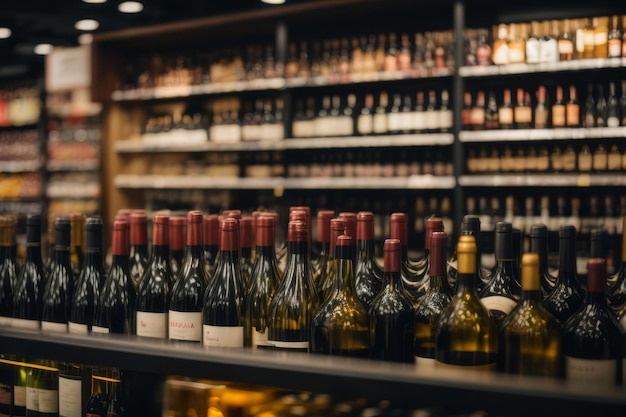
{"points": [[466, 335], [531, 336]]}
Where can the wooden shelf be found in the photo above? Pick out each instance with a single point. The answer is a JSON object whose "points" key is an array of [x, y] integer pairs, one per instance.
{"points": [[561, 66], [543, 180], [206, 183], [515, 135]]}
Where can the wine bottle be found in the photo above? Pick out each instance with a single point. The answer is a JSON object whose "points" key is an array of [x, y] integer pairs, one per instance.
{"points": [[98, 401], [32, 391], [491, 113], [323, 238], [185, 314], [592, 340], [295, 300], [89, 281], [503, 289], [613, 119], [70, 390], [8, 269], [505, 112], [368, 275], [114, 311], [567, 296], [471, 227], [616, 285], [341, 325], [77, 243], [398, 230], [116, 402], [349, 229], [138, 245], [31, 284], [434, 224], [466, 335], [176, 241], [222, 315], [245, 228], [431, 305], [42, 391], [211, 243], [326, 280], [589, 117], [539, 245], [18, 403], [57, 296], [531, 336], [264, 281], [153, 297]]}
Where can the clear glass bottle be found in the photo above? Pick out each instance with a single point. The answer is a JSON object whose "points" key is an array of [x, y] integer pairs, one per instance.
{"points": [[368, 274]]}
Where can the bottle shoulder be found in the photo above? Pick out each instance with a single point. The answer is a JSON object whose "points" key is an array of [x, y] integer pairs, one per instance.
{"points": [[531, 317]]}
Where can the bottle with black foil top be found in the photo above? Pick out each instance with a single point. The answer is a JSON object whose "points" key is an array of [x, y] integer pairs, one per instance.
{"points": [[341, 325], [60, 284], [391, 311], [8, 269], [90, 280], [368, 274], [501, 294], [211, 236], [567, 296], [222, 315], [185, 315], [433, 302], [264, 281], [116, 306], [138, 245], [295, 301], [539, 245], [31, 284], [153, 297]]}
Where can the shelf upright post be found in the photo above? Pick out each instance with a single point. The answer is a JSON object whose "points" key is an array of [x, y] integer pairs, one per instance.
{"points": [[282, 41], [458, 86], [42, 130]]}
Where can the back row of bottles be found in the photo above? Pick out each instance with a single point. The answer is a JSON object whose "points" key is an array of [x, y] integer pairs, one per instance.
{"points": [[222, 291]]}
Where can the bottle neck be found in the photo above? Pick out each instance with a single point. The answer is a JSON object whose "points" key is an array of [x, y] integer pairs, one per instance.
{"points": [[298, 248], [531, 295], [265, 252], [392, 279], [94, 258], [33, 252], [229, 256], [246, 253], [466, 283], [195, 252], [62, 255], [160, 253], [540, 247], [567, 262], [344, 277], [141, 249], [119, 261], [365, 250], [597, 298]]}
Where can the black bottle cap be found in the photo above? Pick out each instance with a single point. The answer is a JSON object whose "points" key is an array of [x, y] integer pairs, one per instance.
{"points": [[94, 233], [471, 220], [62, 227], [598, 234], [516, 244], [33, 228], [539, 230], [504, 227], [567, 232]]}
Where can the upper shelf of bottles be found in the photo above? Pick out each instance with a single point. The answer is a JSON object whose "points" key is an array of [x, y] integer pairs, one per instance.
{"points": [[320, 373]]}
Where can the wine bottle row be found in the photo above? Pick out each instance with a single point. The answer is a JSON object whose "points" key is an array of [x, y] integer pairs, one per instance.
{"points": [[547, 41], [549, 109], [19, 106], [599, 158], [220, 290]]}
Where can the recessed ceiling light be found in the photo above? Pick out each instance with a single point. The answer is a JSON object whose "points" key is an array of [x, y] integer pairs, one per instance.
{"points": [[43, 49], [273, 1], [5, 33], [130, 7], [85, 39], [87, 24], [95, 1]]}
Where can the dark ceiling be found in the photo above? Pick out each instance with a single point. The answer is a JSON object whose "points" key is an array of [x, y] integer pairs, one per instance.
{"points": [[52, 21]]}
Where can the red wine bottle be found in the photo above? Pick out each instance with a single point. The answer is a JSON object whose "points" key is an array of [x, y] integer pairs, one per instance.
{"points": [[87, 289], [8, 269], [138, 245], [323, 238], [185, 315], [28, 298], [264, 281], [592, 339], [368, 274], [567, 296], [340, 326], [222, 315], [115, 308], [539, 245], [391, 311], [153, 298], [176, 245], [211, 243], [60, 284], [433, 302], [245, 229], [77, 243], [326, 280], [398, 230], [434, 224], [295, 300]]}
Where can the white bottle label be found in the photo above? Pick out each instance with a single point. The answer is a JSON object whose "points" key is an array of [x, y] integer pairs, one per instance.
{"points": [[98, 329], [152, 324], [591, 372], [26, 324], [185, 325], [419, 120], [549, 51], [612, 122], [49, 326], [19, 395], [532, 51], [289, 345], [300, 129], [48, 401], [69, 397], [259, 338], [380, 123], [344, 126], [422, 363], [222, 336], [445, 119], [32, 398], [615, 49], [365, 124], [601, 38], [77, 328], [499, 303], [394, 121], [432, 120]]}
